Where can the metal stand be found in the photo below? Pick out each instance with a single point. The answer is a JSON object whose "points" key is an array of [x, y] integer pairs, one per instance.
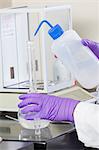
{"points": [[40, 146]]}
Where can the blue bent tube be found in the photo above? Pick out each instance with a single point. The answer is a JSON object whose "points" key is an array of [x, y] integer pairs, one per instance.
{"points": [[44, 21]]}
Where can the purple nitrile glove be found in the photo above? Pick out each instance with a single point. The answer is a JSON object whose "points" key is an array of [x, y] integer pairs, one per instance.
{"points": [[47, 107], [94, 47]]}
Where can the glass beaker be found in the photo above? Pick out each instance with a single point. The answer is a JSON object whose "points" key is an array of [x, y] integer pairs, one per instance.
{"points": [[36, 124]]}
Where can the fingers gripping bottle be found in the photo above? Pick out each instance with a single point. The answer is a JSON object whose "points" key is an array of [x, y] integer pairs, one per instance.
{"points": [[82, 63]]}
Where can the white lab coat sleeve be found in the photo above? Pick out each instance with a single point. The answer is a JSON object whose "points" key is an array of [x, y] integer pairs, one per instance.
{"points": [[86, 118]]}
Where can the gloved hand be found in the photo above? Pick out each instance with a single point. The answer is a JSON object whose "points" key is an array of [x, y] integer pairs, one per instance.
{"points": [[47, 107], [92, 45]]}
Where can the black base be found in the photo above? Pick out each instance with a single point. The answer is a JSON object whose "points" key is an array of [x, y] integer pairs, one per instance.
{"points": [[40, 146]]}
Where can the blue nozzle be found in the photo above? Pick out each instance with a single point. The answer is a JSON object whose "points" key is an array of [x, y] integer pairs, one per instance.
{"points": [[44, 21], [55, 31]]}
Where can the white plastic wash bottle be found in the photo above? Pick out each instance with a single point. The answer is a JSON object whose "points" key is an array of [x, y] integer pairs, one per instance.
{"points": [[82, 63]]}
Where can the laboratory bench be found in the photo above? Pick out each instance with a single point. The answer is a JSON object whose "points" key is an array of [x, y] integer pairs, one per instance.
{"points": [[65, 142], [59, 136]]}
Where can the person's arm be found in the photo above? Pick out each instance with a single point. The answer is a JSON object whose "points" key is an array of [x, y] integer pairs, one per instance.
{"points": [[86, 118], [94, 46], [47, 107]]}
